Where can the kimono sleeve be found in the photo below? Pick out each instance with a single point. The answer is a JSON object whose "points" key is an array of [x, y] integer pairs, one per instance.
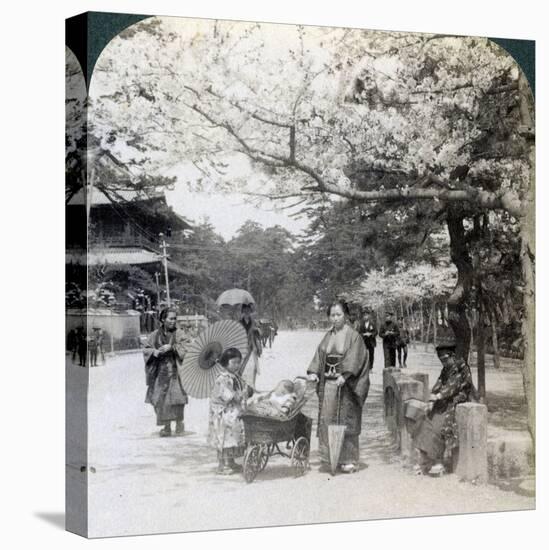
{"points": [[437, 386], [354, 363], [151, 362], [459, 379], [223, 390], [255, 335], [149, 348], [355, 356]]}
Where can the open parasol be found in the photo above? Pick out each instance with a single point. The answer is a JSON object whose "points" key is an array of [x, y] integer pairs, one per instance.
{"points": [[234, 297], [336, 435], [199, 368]]}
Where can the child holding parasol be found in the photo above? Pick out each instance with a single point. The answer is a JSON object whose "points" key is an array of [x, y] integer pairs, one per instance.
{"points": [[227, 401]]}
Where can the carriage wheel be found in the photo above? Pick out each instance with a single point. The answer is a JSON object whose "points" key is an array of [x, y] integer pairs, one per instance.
{"points": [[252, 462], [264, 456], [300, 456]]}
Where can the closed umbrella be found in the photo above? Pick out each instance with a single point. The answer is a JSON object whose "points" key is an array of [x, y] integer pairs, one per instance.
{"points": [[336, 435]]}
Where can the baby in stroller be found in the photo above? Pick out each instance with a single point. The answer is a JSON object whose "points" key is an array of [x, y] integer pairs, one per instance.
{"points": [[281, 401]]}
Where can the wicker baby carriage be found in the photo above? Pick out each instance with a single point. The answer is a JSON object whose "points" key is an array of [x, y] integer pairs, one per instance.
{"points": [[263, 436]]}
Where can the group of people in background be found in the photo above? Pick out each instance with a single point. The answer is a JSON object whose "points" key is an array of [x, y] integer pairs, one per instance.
{"points": [[88, 347], [394, 335]]}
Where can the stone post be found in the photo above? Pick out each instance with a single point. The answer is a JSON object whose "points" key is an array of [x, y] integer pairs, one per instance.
{"points": [[389, 397], [424, 379], [389, 376], [472, 462], [408, 388]]}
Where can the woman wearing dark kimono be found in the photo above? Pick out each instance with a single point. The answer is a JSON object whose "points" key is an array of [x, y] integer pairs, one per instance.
{"points": [[435, 435], [340, 369], [164, 348]]}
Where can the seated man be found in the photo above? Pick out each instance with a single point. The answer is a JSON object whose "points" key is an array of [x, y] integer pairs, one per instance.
{"points": [[435, 434]]}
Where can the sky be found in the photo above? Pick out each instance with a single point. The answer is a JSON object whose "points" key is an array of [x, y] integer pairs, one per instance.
{"points": [[223, 202], [227, 212]]}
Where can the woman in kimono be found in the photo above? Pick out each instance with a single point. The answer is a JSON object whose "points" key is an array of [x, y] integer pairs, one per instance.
{"points": [[340, 368], [228, 400], [251, 367], [165, 347], [435, 435]]}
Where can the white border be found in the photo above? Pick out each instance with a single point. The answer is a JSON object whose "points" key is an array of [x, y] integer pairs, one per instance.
{"points": [[33, 259]]}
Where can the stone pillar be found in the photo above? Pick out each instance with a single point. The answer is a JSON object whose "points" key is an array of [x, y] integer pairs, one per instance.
{"points": [[389, 376], [408, 388], [389, 396], [472, 462], [424, 379]]}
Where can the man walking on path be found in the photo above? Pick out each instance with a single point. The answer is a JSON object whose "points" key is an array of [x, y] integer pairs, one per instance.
{"points": [[368, 330], [402, 343], [81, 346], [389, 333]]}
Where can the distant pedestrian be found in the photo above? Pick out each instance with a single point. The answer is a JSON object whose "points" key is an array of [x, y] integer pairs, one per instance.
{"points": [[255, 348], [368, 330], [389, 333], [99, 335], [402, 343], [92, 347], [72, 343], [81, 346]]}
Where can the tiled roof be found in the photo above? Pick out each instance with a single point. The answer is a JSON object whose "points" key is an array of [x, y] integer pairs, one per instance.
{"points": [[118, 256]]}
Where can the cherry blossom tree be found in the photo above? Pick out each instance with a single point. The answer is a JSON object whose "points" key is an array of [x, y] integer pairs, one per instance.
{"points": [[315, 115]]}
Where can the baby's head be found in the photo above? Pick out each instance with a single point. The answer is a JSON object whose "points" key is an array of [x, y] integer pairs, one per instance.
{"points": [[283, 396], [284, 387]]}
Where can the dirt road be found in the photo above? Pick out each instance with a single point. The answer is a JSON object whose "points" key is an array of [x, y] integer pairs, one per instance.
{"points": [[141, 483]]}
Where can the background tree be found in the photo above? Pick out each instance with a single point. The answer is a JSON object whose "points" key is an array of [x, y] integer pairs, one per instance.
{"points": [[364, 116]]}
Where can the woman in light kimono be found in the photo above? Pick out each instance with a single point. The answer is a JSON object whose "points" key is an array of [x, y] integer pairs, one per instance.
{"points": [[228, 400], [164, 348], [340, 367], [251, 367]]}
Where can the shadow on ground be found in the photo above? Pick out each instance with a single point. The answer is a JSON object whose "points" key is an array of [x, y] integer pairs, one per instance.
{"points": [[506, 410], [57, 519]]}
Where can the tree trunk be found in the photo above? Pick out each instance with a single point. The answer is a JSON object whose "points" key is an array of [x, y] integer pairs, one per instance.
{"points": [[527, 260], [529, 320], [495, 343], [457, 303], [411, 323], [422, 327], [428, 327], [481, 351], [435, 324], [471, 318]]}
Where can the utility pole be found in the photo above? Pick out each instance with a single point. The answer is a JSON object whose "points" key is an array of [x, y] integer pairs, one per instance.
{"points": [[164, 246], [157, 278]]}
